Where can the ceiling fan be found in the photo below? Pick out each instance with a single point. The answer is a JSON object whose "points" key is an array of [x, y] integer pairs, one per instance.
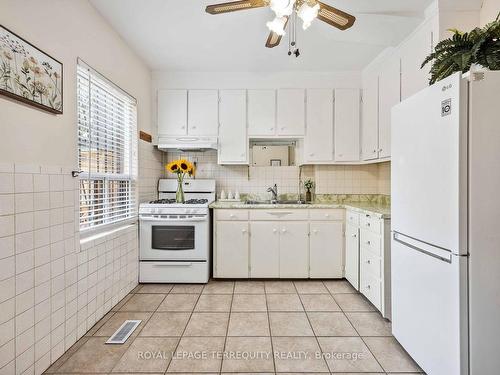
{"points": [[306, 10]]}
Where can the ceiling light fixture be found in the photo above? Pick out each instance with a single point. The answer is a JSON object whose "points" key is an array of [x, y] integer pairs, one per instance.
{"points": [[277, 25], [307, 14], [282, 8]]}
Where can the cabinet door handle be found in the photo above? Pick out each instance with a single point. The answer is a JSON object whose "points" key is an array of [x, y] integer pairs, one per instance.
{"points": [[369, 262]]}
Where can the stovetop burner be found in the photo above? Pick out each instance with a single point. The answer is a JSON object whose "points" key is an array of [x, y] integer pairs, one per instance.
{"points": [[163, 201], [172, 201]]}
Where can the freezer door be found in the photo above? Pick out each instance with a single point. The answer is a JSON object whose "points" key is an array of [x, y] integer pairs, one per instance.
{"points": [[429, 305], [427, 165]]}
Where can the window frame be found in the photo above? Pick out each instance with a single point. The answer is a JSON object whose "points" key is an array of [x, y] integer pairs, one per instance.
{"points": [[109, 223]]}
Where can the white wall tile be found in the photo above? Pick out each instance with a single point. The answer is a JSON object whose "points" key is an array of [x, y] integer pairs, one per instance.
{"points": [[8, 309], [41, 201], [7, 289], [24, 202], [23, 183], [41, 183], [7, 267], [6, 183], [24, 242], [25, 261], [7, 331], [25, 320], [25, 281], [24, 301], [7, 353], [7, 204], [24, 222], [56, 182], [6, 225]]}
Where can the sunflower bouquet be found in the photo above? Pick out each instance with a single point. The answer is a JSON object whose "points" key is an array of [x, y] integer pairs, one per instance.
{"points": [[181, 168]]}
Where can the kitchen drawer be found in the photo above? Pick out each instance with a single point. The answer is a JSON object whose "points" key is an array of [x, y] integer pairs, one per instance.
{"points": [[352, 217], [279, 215], [371, 288], [370, 241], [231, 215], [371, 223], [371, 264], [326, 214], [173, 272]]}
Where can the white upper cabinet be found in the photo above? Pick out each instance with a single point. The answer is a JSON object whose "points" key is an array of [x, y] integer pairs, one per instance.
{"points": [[389, 96], [261, 112], [172, 112], [233, 144], [369, 118], [203, 116], [318, 143], [291, 112], [347, 116]]}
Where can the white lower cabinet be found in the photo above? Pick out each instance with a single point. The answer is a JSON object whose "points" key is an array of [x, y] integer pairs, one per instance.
{"points": [[294, 250], [352, 254], [368, 254], [265, 253], [232, 249], [326, 250], [291, 244]]}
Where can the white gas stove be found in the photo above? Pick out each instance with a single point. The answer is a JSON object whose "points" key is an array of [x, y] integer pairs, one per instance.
{"points": [[175, 237]]}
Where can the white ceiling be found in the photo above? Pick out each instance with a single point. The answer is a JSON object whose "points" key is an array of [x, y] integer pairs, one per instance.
{"points": [[177, 35]]}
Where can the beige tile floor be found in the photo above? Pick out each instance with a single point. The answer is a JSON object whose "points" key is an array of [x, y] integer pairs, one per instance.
{"points": [[235, 327]]}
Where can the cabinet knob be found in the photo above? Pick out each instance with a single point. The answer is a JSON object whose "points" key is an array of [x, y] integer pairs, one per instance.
{"points": [[380, 150], [368, 287], [340, 155], [243, 231], [368, 224], [327, 215], [355, 235], [283, 230], [231, 216], [315, 231], [194, 127], [312, 154], [275, 230], [183, 127], [243, 154], [368, 242], [374, 151], [369, 262]]}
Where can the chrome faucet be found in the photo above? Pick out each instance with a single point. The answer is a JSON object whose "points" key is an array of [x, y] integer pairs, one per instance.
{"points": [[274, 191]]}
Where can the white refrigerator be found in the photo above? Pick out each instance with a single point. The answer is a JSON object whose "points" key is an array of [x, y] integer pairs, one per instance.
{"points": [[446, 225]]}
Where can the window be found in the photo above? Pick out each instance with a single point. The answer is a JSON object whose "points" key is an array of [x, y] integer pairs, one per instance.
{"points": [[107, 149]]}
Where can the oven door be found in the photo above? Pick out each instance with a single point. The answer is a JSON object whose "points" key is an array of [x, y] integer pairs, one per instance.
{"points": [[174, 237]]}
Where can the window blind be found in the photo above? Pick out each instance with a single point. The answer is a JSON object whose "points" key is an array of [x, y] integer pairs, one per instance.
{"points": [[107, 150]]}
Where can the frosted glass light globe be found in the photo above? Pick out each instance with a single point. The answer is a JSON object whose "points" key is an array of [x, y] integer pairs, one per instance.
{"points": [[277, 25], [307, 14]]}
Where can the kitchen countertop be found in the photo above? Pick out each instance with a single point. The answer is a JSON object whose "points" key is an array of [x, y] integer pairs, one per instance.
{"points": [[381, 210]]}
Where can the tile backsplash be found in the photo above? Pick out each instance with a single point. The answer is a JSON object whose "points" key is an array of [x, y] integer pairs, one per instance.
{"points": [[52, 287], [329, 179]]}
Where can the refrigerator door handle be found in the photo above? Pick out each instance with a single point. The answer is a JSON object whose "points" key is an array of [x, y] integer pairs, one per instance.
{"points": [[425, 248]]}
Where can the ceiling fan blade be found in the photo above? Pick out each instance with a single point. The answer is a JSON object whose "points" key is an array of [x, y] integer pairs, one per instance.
{"points": [[335, 17], [234, 6], [273, 40]]}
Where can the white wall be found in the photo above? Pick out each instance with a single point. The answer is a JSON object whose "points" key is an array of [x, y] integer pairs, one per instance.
{"points": [[65, 30], [489, 11], [52, 287]]}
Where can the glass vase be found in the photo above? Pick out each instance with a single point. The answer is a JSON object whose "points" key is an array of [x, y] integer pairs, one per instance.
{"points": [[179, 194]]}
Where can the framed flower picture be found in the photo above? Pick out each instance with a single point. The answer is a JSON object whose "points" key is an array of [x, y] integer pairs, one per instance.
{"points": [[28, 74]]}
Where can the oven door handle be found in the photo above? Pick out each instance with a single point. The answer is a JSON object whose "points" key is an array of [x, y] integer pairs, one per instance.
{"points": [[173, 264], [166, 219]]}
